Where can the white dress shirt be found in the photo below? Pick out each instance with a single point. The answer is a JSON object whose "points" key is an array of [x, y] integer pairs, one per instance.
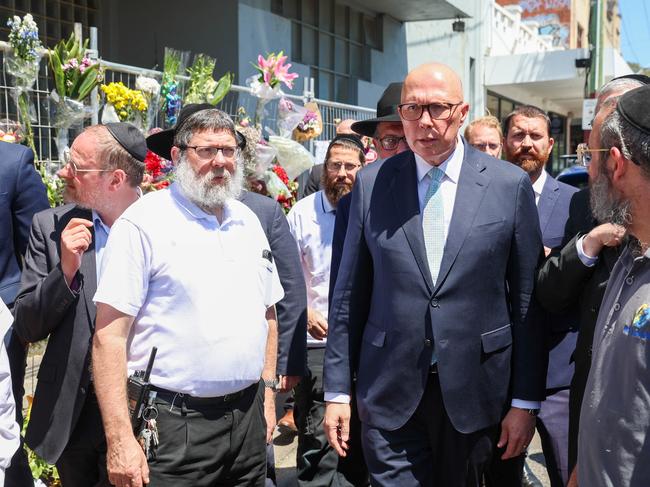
{"points": [[9, 431], [538, 186], [311, 222], [198, 290]]}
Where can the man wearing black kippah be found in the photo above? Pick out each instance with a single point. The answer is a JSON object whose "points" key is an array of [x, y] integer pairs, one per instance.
{"points": [[102, 173]]}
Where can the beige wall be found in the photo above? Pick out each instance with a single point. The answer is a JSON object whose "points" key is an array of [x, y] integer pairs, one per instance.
{"points": [[612, 25], [579, 24]]}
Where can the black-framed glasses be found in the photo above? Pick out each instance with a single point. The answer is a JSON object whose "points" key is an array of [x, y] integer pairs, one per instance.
{"points": [[437, 111], [391, 142], [584, 154], [74, 169], [208, 152], [485, 145], [335, 167]]}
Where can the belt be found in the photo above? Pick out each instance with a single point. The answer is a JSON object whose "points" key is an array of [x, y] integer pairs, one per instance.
{"points": [[172, 397]]}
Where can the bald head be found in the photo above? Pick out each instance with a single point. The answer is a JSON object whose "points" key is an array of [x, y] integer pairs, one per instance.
{"points": [[434, 75], [432, 111], [345, 127]]}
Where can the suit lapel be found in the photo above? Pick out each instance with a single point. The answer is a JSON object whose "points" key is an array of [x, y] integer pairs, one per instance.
{"points": [[88, 269], [405, 197], [550, 194], [472, 184]]}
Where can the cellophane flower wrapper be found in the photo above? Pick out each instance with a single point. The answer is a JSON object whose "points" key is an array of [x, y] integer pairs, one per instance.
{"points": [[274, 185], [290, 114], [67, 113], [264, 94], [294, 157], [264, 156], [175, 63], [150, 88], [311, 126]]}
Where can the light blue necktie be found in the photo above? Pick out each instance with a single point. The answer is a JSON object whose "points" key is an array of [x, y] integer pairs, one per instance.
{"points": [[433, 223]]}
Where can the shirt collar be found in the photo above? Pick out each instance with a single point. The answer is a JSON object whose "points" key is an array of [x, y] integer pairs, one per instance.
{"points": [[325, 203], [192, 209], [538, 186], [99, 223], [451, 166]]}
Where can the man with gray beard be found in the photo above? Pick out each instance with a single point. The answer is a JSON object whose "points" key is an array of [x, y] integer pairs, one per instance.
{"points": [[188, 270], [615, 415]]}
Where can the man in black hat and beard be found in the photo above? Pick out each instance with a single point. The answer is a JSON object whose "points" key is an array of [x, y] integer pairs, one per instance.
{"points": [[615, 416], [188, 270], [102, 173]]}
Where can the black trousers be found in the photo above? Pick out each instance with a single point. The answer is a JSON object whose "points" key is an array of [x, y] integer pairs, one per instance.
{"points": [[210, 442], [83, 462], [317, 463], [427, 450]]}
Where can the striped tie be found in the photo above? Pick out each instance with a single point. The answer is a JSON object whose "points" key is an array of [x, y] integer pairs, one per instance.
{"points": [[433, 223]]}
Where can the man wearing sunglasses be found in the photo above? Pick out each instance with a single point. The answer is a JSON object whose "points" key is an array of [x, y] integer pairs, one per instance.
{"points": [[430, 311], [102, 172]]}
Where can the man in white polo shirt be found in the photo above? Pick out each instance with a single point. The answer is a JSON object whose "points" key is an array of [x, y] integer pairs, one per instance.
{"points": [[188, 270], [311, 222]]}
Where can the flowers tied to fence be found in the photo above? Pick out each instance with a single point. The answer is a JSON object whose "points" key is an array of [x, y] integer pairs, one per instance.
{"points": [[202, 86], [124, 105]]}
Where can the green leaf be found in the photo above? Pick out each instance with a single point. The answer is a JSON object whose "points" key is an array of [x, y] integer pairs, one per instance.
{"points": [[222, 89], [57, 72], [85, 83]]}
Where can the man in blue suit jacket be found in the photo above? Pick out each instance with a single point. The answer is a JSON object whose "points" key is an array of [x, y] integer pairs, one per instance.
{"points": [[22, 194], [440, 351], [528, 144]]}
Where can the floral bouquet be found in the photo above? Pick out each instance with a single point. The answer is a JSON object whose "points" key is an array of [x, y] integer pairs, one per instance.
{"points": [[174, 65], [158, 173], [202, 86], [75, 77], [280, 188], [289, 116], [295, 158], [272, 72], [11, 131], [150, 89], [311, 125], [124, 105], [22, 63]]}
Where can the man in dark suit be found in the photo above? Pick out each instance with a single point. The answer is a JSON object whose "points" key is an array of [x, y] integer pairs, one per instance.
{"points": [[431, 305], [528, 144], [103, 170], [22, 194]]}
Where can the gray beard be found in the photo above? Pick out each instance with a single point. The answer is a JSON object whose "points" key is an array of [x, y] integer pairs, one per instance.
{"points": [[605, 207], [201, 191]]}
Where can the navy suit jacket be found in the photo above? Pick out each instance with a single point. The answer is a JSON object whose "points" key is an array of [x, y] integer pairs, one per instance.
{"points": [[292, 309], [22, 194], [386, 314], [561, 328]]}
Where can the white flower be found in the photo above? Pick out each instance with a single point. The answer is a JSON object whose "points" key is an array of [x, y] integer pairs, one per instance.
{"points": [[147, 85]]}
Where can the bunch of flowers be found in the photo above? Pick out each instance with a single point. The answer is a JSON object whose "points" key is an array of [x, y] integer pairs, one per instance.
{"points": [[23, 64], [202, 86], [150, 89], [10, 131], [311, 124], [158, 173], [174, 65], [75, 75], [285, 194], [273, 71], [128, 104]]}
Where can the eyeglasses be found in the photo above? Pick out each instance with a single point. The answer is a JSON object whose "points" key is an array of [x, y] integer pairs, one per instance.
{"points": [[391, 142], [483, 147], [437, 111], [74, 170], [207, 153], [336, 166], [584, 154]]}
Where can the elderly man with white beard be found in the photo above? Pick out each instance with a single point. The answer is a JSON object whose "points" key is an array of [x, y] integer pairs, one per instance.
{"points": [[188, 270]]}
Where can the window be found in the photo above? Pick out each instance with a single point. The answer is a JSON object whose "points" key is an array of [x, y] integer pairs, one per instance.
{"points": [[334, 40]]}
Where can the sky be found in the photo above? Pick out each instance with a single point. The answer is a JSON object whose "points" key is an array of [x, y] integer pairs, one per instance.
{"points": [[635, 31]]}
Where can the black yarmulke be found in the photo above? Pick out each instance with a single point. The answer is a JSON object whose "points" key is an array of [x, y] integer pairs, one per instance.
{"points": [[130, 138], [634, 107]]}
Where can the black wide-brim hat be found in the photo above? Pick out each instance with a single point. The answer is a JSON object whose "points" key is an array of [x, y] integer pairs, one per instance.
{"points": [[386, 111], [162, 142]]}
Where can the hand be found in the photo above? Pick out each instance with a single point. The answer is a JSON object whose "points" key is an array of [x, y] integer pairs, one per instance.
{"points": [[547, 251], [517, 429], [573, 480], [605, 235], [269, 413], [126, 463], [75, 240], [316, 324], [287, 382], [337, 426]]}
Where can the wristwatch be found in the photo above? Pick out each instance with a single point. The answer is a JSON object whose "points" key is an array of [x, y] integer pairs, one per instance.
{"points": [[271, 384], [532, 412]]}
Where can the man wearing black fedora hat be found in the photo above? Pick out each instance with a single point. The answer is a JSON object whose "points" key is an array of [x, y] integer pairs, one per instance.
{"points": [[102, 173], [188, 270]]}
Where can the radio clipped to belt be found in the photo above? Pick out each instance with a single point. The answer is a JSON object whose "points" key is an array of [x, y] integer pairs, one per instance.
{"points": [[142, 409]]}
